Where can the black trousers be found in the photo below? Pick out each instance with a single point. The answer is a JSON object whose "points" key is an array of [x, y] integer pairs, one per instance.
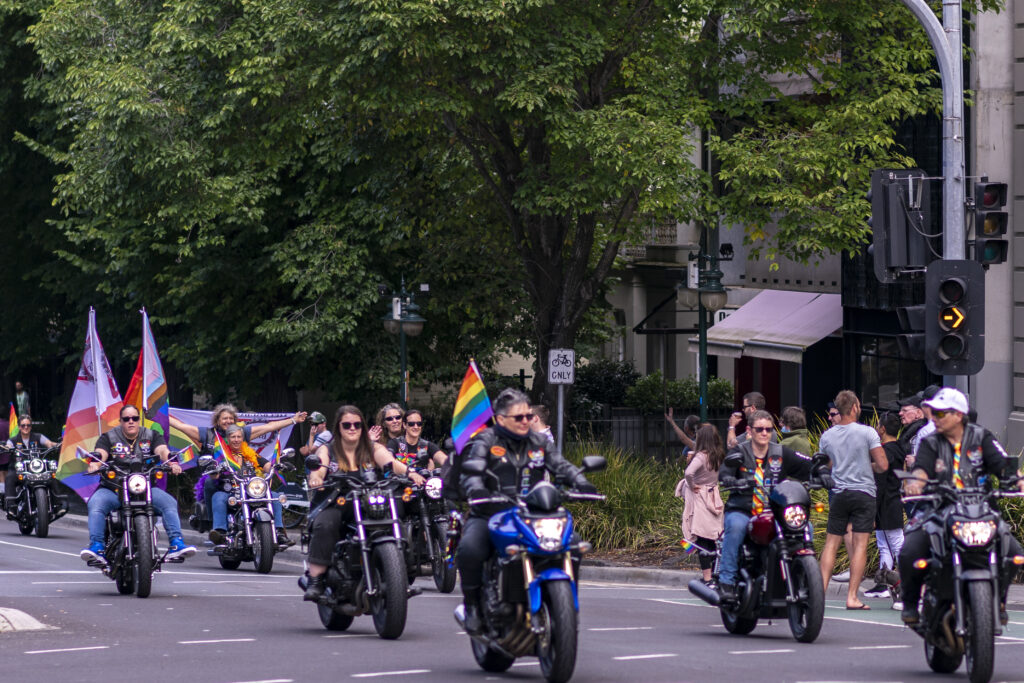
{"points": [[915, 547], [325, 532], [474, 548]]}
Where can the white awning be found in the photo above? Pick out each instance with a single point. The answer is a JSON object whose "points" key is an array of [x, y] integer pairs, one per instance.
{"points": [[775, 324]]}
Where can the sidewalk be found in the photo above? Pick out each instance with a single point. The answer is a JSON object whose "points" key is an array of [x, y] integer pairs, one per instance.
{"points": [[650, 576]]}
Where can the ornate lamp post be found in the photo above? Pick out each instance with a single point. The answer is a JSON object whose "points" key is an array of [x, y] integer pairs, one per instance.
{"points": [[712, 297], [404, 319]]}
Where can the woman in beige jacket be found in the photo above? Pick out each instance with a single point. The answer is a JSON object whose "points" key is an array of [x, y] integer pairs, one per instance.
{"points": [[703, 511]]}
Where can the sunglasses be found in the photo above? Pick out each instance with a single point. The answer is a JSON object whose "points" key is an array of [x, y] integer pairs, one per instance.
{"points": [[393, 418], [27, 424], [130, 418], [833, 414], [351, 425], [520, 418], [941, 413], [414, 423], [762, 430]]}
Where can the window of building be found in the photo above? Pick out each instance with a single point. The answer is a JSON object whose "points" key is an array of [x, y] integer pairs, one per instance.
{"points": [[884, 375]]}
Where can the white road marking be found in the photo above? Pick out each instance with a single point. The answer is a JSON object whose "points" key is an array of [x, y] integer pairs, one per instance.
{"points": [[632, 657], [271, 680], [354, 635], [1011, 638], [880, 647], [392, 673], [67, 649], [64, 583], [223, 640], [47, 571], [526, 664], [623, 628], [228, 581], [760, 652], [45, 550]]}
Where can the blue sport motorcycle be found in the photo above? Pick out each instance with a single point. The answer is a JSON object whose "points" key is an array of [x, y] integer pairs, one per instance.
{"points": [[529, 597]]}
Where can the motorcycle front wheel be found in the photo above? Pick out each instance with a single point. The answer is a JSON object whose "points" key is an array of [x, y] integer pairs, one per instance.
{"points": [[808, 612], [444, 575], [980, 643], [42, 512], [263, 547], [390, 605], [143, 564], [556, 646]]}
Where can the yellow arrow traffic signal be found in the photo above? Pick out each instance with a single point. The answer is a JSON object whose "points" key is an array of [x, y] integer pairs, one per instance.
{"points": [[952, 318]]}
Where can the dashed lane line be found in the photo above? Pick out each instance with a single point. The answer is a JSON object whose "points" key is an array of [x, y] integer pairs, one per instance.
{"points": [[407, 672], [67, 649], [623, 628], [44, 550], [271, 680], [221, 640], [880, 647], [628, 658], [760, 652]]}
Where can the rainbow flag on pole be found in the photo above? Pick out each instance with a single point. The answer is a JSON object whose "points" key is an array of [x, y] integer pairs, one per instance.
{"points": [[147, 390], [12, 426], [187, 457], [472, 408], [222, 452], [94, 409]]}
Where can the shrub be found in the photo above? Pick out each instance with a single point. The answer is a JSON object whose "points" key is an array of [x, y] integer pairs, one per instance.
{"points": [[604, 382], [649, 395]]}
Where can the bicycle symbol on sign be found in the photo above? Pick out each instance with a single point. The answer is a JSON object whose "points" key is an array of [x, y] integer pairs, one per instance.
{"points": [[561, 360]]}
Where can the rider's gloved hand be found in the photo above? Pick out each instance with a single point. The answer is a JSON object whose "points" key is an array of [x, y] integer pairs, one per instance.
{"points": [[581, 484], [827, 481]]}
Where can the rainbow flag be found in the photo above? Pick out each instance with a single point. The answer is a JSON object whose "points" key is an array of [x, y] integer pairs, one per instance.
{"points": [[687, 546], [12, 425], [222, 452], [94, 409], [187, 457], [472, 408], [147, 390]]}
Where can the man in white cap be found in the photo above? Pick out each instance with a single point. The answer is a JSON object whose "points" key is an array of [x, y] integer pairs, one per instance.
{"points": [[963, 453]]}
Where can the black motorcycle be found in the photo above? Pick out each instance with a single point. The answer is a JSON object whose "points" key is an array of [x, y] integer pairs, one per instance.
{"points": [[960, 611], [429, 517], [530, 604], [131, 552], [250, 535], [778, 573], [367, 573], [36, 502]]}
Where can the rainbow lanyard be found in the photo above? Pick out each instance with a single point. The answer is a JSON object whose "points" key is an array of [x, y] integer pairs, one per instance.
{"points": [[760, 495], [958, 481]]}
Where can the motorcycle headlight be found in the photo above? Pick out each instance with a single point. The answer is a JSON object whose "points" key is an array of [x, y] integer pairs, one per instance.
{"points": [[256, 487], [434, 487], [19, 466], [36, 465], [51, 465], [549, 532], [974, 533], [136, 483], [795, 516]]}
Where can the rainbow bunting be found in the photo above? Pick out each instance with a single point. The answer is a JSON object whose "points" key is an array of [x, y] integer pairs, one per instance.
{"points": [[472, 408], [221, 451], [687, 546], [147, 390], [12, 426]]}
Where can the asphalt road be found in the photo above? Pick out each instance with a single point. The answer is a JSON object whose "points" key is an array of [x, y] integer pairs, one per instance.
{"points": [[204, 624]]}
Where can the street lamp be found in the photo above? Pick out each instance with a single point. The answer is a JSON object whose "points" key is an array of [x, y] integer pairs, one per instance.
{"points": [[713, 297], [404, 319]]}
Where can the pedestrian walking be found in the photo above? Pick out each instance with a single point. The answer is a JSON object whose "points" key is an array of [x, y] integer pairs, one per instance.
{"points": [[703, 509], [889, 516]]}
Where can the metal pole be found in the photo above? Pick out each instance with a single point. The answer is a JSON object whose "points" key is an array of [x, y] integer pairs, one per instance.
{"points": [[405, 374], [702, 359], [561, 415]]}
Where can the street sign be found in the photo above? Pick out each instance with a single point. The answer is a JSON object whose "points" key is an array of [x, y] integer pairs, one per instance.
{"points": [[561, 366]]}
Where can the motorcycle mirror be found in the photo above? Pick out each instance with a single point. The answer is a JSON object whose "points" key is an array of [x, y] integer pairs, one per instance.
{"points": [[205, 460], [594, 463], [819, 459], [313, 462], [288, 452], [734, 459]]}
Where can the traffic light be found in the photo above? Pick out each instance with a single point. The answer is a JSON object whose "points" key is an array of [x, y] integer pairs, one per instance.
{"points": [[990, 223], [900, 222], [955, 317], [912, 341]]}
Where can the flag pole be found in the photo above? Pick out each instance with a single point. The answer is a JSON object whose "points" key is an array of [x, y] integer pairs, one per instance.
{"points": [[93, 337]]}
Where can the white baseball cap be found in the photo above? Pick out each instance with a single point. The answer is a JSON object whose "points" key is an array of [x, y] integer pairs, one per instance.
{"points": [[948, 399]]}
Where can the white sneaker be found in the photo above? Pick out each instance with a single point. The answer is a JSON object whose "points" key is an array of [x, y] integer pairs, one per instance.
{"points": [[879, 590], [842, 577], [898, 605]]}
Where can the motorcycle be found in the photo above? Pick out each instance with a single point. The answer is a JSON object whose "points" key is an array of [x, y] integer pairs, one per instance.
{"points": [[778, 570], [37, 503], [367, 573], [131, 552], [530, 603], [960, 611], [429, 520], [251, 535]]}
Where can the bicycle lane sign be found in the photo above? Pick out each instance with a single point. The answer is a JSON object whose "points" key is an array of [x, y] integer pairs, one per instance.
{"points": [[561, 366]]}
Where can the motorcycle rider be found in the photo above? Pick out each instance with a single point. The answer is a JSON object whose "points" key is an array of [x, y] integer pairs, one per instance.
{"points": [[224, 415], [26, 439], [413, 450], [757, 455], [939, 457], [351, 451], [518, 457], [131, 440], [219, 500]]}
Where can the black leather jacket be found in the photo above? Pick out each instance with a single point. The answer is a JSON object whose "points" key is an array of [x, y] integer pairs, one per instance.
{"points": [[518, 464]]}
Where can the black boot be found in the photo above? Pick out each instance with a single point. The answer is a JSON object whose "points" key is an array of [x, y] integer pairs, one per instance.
{"points": [[282, 539], [315, 588], [471, 601]]}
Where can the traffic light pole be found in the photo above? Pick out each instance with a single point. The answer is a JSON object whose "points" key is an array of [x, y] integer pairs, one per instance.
{"points": [[947, 40]]}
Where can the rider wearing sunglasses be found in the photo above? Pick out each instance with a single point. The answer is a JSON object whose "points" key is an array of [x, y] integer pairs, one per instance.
{"points": [[411, 449], [519, 458]]}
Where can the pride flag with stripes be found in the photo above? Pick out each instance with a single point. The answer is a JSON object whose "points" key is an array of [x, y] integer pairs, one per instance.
{"points": [[187, 457], [147, 390], [12, 427], [221, 451], [687, 546], [472, 408]]}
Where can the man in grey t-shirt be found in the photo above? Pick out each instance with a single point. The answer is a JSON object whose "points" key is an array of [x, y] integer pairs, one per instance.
{"points": [[856, 454]]}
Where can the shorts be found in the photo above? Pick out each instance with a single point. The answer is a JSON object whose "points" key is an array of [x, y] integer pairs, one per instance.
{"points": [[852, 507]]}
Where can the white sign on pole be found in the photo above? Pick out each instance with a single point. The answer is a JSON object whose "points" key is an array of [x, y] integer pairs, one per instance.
{"points": [[561, 366]]}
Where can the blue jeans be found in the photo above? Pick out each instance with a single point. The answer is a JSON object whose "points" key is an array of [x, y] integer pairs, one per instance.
{"points": [[104, 501], [732, 540], [219, 505]]}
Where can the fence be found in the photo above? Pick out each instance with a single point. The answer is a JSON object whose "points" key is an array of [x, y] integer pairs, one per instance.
{"points": [[649, 435]]}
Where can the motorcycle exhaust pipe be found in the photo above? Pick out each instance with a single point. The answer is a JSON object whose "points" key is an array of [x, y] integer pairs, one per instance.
{"points": [[702, 591]]}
